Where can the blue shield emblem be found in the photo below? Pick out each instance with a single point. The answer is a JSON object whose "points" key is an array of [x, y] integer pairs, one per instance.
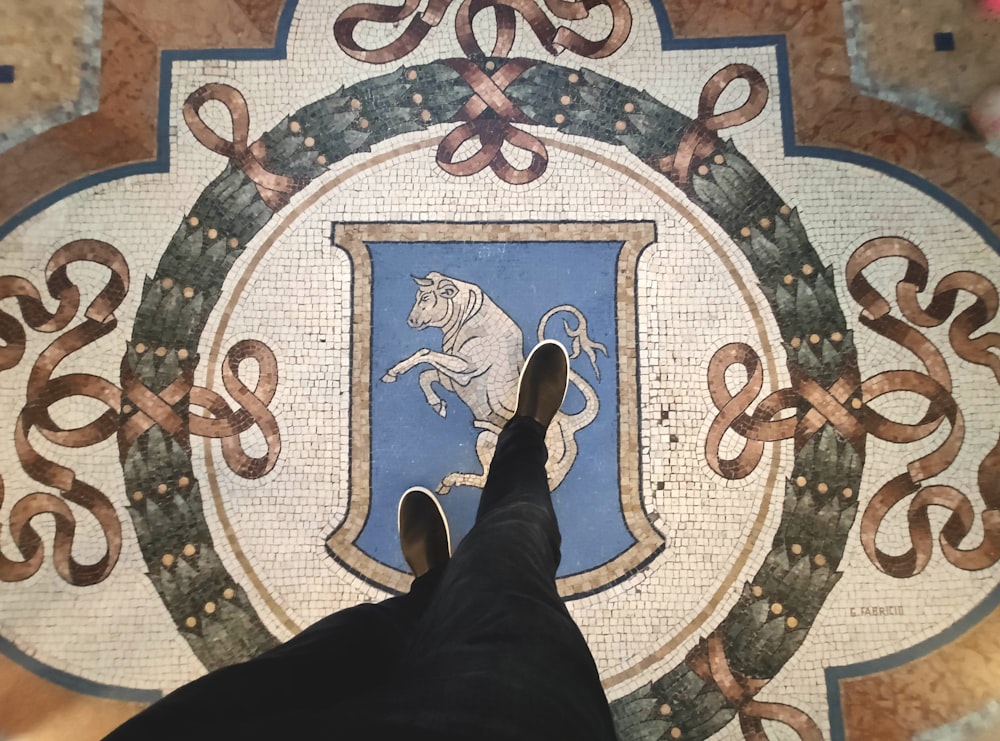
{"points": [[450, 323]]}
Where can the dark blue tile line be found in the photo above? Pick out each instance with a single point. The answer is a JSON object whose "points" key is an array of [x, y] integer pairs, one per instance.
{"points": [[836, 673], [73, 682], [6, 73]]}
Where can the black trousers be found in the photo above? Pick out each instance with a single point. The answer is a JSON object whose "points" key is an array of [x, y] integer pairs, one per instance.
{"points": [[482, 648]]}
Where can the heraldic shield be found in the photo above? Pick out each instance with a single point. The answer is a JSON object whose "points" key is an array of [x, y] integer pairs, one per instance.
{"points": [[454, 310]]}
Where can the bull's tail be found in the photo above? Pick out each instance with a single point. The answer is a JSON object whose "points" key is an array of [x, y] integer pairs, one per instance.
{"points": [[581, 342], [588, 414]]}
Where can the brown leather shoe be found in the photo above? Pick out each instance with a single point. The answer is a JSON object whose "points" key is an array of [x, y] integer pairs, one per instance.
{"points": [[544, 379], [423, 530]]}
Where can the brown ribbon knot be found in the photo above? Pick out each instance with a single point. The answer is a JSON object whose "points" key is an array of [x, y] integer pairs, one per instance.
{"points": [[847, 406], [708, 660], [936, 387], [554, 39], [700, 138], [493, 129], [227, 424], [43, 391], [275, 190]]}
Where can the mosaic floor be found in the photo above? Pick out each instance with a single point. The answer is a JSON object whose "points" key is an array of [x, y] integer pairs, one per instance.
{"points": [[777, 471]]}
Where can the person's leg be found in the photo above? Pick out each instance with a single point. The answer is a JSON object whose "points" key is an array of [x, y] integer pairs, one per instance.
{"points": [[280, 691], [497, 655]]}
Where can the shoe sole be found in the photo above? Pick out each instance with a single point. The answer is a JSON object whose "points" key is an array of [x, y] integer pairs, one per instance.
{"points": [[427, 492]]}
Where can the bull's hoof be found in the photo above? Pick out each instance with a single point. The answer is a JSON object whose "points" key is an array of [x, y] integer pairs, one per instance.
{"points": [[443, 488], [441, 408], [388, 378]]}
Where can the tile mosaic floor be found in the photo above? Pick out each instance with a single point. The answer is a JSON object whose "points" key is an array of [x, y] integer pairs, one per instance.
{"points": [[777, 471]]}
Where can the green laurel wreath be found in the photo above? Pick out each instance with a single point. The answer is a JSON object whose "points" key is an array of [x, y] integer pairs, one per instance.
{"points": [[169, 520]]}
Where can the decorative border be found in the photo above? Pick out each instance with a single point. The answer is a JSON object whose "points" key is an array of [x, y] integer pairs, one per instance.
{"points": [[353, 238], [773, 615], [668, 42]]}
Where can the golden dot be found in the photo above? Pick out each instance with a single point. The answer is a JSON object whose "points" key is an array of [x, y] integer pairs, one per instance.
{"points": [[161, 489], [425, 115], [565, 100], [703, 170], [814, 339], [189, 292], [193, 221], [167, 560], [189, 550], [856, 403], [418, 98], [795, 342], [491, 65], [356, 104], [127, 409], [822, 488], [161, 352], [574, 77], [836, 337], [321, 160], [137, 496], [309, 141], [800, 481], [209, 608], [765, 223], [559, 118], [167, 283], [792, 623], [796, 549], [191, 622], [719, 159], [228, 593], [665, 709], [213, 233], [182, 354], [745, 231], [820, 560], [776, 608], [757, 591], [788, 280], [807, 269], [629, 107], [184, 482], [620, 126], [234, 243], [295, 126], [410, 75], [847, 493], [785, 210], [363, 123], [140, 348], [675, 733]]}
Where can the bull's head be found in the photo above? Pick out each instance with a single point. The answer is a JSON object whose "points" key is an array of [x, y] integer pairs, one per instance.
{"points": [[435, 294]]}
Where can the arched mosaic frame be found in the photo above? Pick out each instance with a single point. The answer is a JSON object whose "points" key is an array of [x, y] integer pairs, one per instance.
{"points": [[775, 610]]}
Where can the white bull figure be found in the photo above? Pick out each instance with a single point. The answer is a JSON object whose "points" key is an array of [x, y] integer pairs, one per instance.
{"points": [[480, 360]]}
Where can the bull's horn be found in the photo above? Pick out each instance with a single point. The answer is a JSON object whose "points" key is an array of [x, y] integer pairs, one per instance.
{"points": [[422, 282]]}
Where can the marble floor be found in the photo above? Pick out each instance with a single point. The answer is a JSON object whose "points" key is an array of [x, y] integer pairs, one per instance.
{"points": [[265, 264]]}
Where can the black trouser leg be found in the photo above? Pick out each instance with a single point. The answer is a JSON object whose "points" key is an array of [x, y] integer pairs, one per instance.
{"points": [[497, 655], [277, 694]]}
